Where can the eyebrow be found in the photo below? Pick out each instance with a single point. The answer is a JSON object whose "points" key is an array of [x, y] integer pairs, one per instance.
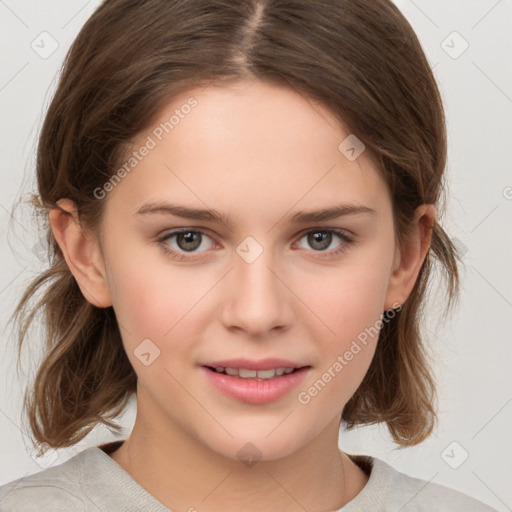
{"points": [[334, 212]]}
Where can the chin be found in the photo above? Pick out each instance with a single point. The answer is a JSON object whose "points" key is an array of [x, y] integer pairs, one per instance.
{"points": [[251, 445]]}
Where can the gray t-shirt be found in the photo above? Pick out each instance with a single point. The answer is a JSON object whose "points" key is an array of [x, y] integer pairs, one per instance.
{"points": [[92, 481]]}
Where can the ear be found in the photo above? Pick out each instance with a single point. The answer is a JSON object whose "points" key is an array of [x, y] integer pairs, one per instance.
{"points": [[82, 253], [408, 261]]}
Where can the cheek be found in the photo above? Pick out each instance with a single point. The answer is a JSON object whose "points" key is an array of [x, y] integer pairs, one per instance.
{"points": [[349, 301], [154, 299], [348, 298], [345, 350]]}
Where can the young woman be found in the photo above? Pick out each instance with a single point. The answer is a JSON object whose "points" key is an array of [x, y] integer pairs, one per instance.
{"points": [[242, 200]]}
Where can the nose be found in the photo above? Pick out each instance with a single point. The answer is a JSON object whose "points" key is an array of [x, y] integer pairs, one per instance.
{"points": [[258, 300]]}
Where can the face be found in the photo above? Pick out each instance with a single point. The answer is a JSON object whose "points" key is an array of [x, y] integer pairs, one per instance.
{"points": [[264, 282]]}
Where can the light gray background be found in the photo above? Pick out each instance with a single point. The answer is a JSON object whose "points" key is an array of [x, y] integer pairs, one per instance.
{"points": [[472, 351]]}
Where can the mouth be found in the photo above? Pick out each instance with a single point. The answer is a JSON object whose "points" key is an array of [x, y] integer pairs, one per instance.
{"points": [[255, 382], [258, 375]]}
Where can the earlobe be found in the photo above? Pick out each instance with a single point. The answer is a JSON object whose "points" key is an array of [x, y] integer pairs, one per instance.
{"points": [[411, 257], [81, 252]]}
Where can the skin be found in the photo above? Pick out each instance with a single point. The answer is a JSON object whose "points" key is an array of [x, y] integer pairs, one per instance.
{"points": [[258, 153]]}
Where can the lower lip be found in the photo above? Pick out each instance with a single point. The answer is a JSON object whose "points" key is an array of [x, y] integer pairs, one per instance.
{"points": [[256, 391]]}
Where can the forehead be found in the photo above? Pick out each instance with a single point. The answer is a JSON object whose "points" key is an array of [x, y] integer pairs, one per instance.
{"points": [[246, 145], [251, 116]]}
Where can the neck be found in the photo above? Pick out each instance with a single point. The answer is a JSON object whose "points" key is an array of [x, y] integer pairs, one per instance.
{"points": [[183, 474]]}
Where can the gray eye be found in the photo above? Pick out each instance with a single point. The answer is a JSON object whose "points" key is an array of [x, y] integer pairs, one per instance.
{"points": [[319, 240], [187, 241]]}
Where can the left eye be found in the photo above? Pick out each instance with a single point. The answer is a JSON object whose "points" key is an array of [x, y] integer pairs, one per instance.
{"points": [[320, 240]]}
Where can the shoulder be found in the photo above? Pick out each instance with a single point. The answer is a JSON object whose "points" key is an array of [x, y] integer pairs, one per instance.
{"points": [[57, 488], [392, 490], [87, 482], [46, 490]]}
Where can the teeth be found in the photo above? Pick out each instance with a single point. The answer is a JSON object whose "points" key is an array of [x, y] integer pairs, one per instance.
{"points": [[265, 374], [247, 374], [244, 373]]}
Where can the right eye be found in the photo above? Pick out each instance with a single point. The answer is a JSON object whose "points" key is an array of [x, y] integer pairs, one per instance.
{"points": [[183, 242]]}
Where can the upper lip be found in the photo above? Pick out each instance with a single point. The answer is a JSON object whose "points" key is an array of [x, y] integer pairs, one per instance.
{"points": [[259, 364]]}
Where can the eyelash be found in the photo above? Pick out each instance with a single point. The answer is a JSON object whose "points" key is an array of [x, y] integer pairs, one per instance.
{"points": [[179, 256]]}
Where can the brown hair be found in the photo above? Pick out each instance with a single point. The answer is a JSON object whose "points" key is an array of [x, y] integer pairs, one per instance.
{"points": [[359, 58]]}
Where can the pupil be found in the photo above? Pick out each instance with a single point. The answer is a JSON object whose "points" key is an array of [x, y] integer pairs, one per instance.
{"points": [[323, 238], [188, 238]]}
